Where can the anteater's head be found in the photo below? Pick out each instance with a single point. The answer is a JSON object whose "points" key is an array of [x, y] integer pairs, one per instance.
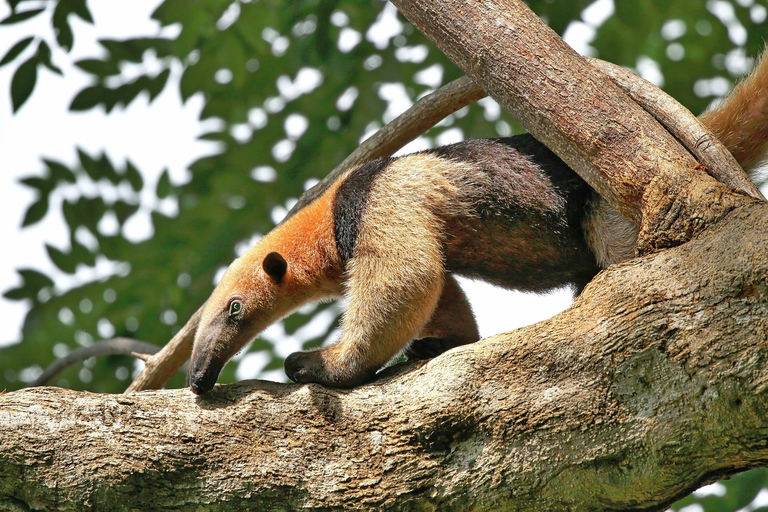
{"points": [[249, 297]]}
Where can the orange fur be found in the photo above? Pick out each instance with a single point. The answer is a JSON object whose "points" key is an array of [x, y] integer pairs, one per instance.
{"points": [[739, 121]]}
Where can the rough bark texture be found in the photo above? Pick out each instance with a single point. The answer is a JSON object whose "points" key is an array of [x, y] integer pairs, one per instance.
{"points": [[686, 127], [626, 401]]}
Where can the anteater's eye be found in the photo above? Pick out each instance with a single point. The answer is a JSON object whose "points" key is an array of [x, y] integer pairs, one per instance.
{"points": [[235, 308]]}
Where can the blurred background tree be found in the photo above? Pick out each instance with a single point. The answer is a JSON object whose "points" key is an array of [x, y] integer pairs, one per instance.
{"points": [[293, 87]]}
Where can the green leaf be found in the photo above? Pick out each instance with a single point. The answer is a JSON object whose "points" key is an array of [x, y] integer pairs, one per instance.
{"points": [[64, 34], [133, 176], [16, 50], [20, 16], [17, 294], [23, 83], [35, 212], [44, 58], [65, 262], [87, 98], [98, 67], [80, 9], [90, 165], [81, 253], [36, 182], [124, 210], [107, 170], [164, 185], [33, 282], [59, 172], [157, 84]]}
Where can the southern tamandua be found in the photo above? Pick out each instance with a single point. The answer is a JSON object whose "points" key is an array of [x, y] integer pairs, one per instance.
{"points": [[390, 235]]}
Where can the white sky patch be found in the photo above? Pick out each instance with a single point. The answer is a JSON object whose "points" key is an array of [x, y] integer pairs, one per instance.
{"points": [[264, 173], [491, 109], [295, 126], [339, 19], [725, 13], [597, 13], [397, 100], [347, 99], [348, 39], [415, 54], [241, 132], [108, 225], [229, 17], [385, 28], [223, 76], [758, 13], [450, 136], [431, 76], [512, 310], [418, 144], [708, 87], [307, 80], [283, 150], [243, 246], [650, 70], [257, 118], [673, 29], [737, 63], [578, 34]]}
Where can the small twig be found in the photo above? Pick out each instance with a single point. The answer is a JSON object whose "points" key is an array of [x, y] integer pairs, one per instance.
{"points": [[122, 346], [143, 357]]}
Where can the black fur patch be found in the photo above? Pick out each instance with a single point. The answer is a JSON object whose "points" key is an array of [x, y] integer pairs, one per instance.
{"points": [[350, 204]]}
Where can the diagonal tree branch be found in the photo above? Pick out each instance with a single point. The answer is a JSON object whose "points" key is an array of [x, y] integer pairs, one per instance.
{"points": [[122, 346]]}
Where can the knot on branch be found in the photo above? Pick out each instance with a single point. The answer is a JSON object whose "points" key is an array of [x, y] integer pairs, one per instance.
{"points": [[677, 207]]}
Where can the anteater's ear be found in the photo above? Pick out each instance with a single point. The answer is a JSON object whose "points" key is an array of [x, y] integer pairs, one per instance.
{"points": [[275, 266]]}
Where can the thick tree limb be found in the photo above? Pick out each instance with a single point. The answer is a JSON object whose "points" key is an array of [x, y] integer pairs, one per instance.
{"points": [[653, 383], [686, 127]]}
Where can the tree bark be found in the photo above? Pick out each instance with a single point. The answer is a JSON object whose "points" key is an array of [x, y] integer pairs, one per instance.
{"points": [[626, 401], [651, 384]]}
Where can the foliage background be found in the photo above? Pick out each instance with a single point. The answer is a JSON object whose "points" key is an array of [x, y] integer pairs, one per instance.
{"points": [[292, 88]]}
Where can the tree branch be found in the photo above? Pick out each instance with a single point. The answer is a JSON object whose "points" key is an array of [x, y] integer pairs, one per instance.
{"points": [[686, 127], [122, 346], [652, 383]]}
